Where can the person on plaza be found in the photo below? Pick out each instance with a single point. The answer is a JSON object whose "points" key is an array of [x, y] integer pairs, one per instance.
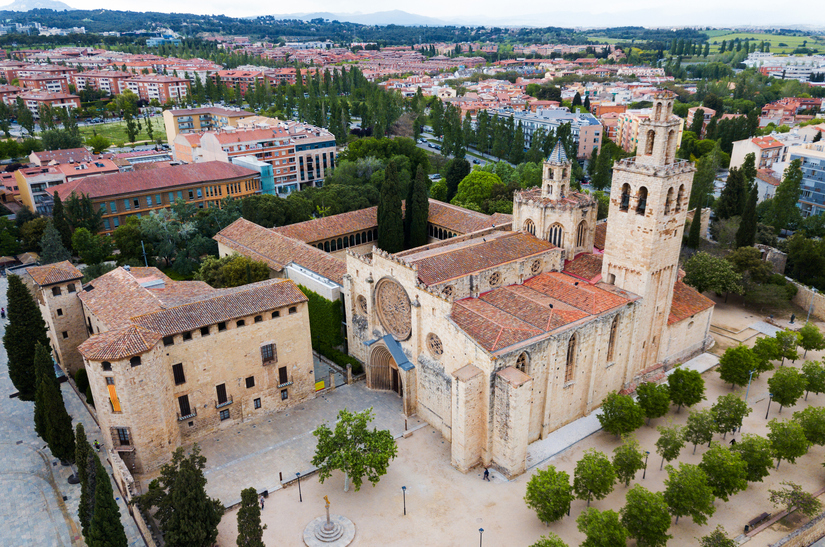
{"points": [[486, 474], [97, 445], [2, 313], [262, 503]]}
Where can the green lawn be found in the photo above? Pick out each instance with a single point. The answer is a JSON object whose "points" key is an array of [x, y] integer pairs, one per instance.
{"points": [[116, 131], [791, 42]]}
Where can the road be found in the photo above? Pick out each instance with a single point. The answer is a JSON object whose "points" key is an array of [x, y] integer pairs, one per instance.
{"points": [[475, 161]]}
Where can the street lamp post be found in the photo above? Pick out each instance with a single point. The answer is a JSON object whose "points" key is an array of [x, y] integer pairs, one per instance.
{"points": [[810, 305], [404, 492], [647, 454], [480, 536], [749, 386], [300, 496], [770, 398]]}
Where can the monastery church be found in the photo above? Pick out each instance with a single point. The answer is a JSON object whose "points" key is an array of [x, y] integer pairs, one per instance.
{"points": [[498, 331]]}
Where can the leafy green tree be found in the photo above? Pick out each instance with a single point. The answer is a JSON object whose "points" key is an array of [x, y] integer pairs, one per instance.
{"points": [[476, 188], [594, 476], [670, 442], [24, 330], [81, 213], [51, 246], [550, 540], [756, 452], [654, 399], [810, 338], [601, 528], [814, 374], [788, 342], [705, 272], [700, 427], [726, 470], [620, 414], [687, 493], [646, 517], [60, 222], [695, 233], [628, 459], [787, 385], [793, 498], [188, 517], [784, 210], [788, 440], [92, 249], [105, 528], [686, 387], [729, 411], [417, 211], [250, 531], [24, 116], [717, 538], [812, 420], [736, 364], [549, 494], [746, 234], [231, 271], [353, 449], [390, 223], [766, 349], [31, 232], [127, 238], [98, 143]]}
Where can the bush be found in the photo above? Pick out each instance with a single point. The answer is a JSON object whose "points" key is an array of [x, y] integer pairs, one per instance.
{"points": [[81, 380], [340, 358]]}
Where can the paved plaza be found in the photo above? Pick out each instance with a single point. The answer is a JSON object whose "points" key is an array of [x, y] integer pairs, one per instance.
{"points": [[38, 507]]}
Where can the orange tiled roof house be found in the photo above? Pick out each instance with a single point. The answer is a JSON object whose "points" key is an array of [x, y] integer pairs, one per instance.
{"points": [[170, 362]]}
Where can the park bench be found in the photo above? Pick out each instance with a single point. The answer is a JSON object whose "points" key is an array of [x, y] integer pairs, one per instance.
{"points": [[754, 522]]}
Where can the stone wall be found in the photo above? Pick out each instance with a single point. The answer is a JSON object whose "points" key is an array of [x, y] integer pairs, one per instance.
{"points": [[688, 337], [777, 258], [806, 298], [126, 484], [805, 536], [705, 221]]}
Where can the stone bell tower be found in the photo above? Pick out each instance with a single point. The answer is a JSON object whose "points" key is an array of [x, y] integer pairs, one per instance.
{"points": [[646, 220], [555, 178]]}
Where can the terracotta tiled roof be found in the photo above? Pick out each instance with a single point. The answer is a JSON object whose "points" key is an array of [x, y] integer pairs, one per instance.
{"points": [[601, 234], [460, 220], [119, 344], [117, 296], [687, 302], [278, 250], [768, 176], [224, 304], [54, 273], [323, 228], [103, 186], [465, 257], [546, 303], [585, 266]]}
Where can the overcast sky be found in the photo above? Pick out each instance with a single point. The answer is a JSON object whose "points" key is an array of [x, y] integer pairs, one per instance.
{"points": [[529, 12]]}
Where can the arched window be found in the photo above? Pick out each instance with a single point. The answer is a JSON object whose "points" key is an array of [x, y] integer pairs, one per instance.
{"points": [[521, 362], [346, 242], [258, 318], [351, 240], [581, 234], [106, 365], [321, 246], [529, 227], [651, 138], [671, 137], [679, 197], [332, 246], [549, 173], [340, 246], [555, 235], [571, 360], [658, 111], [134, 361], [358, 238], [625, 203], [369, 235], [611, 342], [326, 246], [668, 201], [641, 204]]}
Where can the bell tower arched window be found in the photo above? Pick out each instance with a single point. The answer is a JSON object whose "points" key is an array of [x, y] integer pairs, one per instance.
{"points": [[625, 203], [651, 139], [570, 367], [658, 111], [679, 197], [611, 342], [641, 204], [669, 201]]}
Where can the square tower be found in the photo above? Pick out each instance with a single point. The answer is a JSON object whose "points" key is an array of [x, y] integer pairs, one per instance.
{"points": [[646, 220]]}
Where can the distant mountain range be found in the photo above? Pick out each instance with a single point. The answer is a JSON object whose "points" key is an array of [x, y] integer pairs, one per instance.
{"points": [[26, 5], [380, 18]]}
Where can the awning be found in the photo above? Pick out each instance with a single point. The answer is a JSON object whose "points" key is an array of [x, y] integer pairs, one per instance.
{"points": [[113, 398], [395, 350]]}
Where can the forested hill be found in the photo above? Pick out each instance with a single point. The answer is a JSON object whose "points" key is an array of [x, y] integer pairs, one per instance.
{"points": [[97, 21]]}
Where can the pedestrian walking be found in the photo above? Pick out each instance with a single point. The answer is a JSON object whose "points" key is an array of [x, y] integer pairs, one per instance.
{"points": [[262, 503], [97, 445], [2, 313], [487, 475], [733, 442]]}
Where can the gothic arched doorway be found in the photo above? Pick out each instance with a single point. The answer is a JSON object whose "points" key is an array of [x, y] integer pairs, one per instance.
{"points": [[382, 372]]}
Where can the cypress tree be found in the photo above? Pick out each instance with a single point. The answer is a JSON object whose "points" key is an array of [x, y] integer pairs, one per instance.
{"points": [[250, 531], [87, 473], [418, 210], [51, 245], [577, 100], [44, 373], [698, 123], [731, 201], [59, 432], [390, 223], [457, 169], [105, 528], [25, 329], [60, 222], [695, 234], [748, 169], [746, 234]]}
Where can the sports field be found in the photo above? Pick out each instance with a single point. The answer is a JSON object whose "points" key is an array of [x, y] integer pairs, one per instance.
{"points": [[116, 131], [779, 43]]}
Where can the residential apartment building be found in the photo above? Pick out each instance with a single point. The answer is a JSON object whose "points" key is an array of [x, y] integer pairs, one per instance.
{"points": [[767, 150], [585, 128], [101, 80], [34, 99], [193, 120], [708, 114], [812, 155], [36, 187], [136, 193], [156, 87], [239, 79], [38, 82], [172, 362]]}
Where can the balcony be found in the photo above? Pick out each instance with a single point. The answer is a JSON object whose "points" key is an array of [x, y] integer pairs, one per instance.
{"points": [[227, 402], [285, 384], [193, 414]]}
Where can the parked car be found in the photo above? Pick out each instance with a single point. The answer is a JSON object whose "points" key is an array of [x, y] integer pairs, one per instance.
{"points": [[476, 162]]}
